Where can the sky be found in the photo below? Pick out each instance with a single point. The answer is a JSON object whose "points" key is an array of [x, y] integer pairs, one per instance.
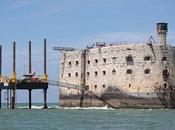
{"points": [[74, 23]]}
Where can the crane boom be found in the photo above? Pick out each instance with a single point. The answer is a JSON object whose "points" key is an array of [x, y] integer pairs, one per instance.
{"points": [[63, 49], [64, 84]]}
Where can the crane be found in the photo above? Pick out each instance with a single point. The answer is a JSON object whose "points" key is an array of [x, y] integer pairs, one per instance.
{"points": [[61, 49]]}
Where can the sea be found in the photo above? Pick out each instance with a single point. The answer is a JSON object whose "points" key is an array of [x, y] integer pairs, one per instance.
{"points": [[56, 118]]}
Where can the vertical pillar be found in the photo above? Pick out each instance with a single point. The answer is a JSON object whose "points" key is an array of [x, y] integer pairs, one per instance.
{"points": [[0, 70], [30, 98], [14, 60], [30, 58], [14, 96], [0, 62], [45, 99], [14, 76], [45, 60], [7, 98], [45, 71], [10, 98], [0, 98]]}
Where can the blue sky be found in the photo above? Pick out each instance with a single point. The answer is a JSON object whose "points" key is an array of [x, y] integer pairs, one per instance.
{"points": [[75, 23]]}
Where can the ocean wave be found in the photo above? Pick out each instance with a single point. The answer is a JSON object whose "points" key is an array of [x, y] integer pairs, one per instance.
{"points": [[66, 108], [87, 108], [38, 107]]}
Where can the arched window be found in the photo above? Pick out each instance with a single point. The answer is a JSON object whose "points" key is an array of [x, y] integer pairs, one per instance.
{"points": [[76, 74], [104, 72], [96, 61], [96, 73], [129, 60], [164, 58], [129, 71], [95, 86], [88, 61], [104, 60], [76, 63], [165, 85], [147, 71], [129, 85], [70, 64], [87, 88], [103, 86], [113, 72], [147, 58], [165, 74]]}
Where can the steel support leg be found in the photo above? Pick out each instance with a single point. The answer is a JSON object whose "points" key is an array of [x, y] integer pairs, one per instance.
{"points": [[30, 98], [0, 98], [45, 99]]}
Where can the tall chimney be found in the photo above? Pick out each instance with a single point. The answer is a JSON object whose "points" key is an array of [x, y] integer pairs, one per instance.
{"points": [[30, 58], [162, 29]]}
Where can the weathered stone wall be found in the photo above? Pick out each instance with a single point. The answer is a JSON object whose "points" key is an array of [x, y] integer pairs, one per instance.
{"points": [[110, 66]]}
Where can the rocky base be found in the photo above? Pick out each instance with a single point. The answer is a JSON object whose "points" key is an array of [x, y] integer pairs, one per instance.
{"points": [[112, 103], [114, 98]]}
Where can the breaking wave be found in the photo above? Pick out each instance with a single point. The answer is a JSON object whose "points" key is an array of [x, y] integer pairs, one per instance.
{"points": [[66, 108], [87, 108]]}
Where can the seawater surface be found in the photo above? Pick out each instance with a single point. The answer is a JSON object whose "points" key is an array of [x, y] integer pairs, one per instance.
{"points": [[57, 118]]}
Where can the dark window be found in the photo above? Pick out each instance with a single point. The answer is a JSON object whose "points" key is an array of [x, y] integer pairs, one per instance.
{"points": [[69, 74], [87, 88], [165, 74], [95, 86], [165, 85], [129, 71], [114, 60], [76, 63], [128, 49], [129, 60], [96, 61], [96, 73], [147, 71], [88, 61], [113, 72], [69, 63], [103, 86], [88, 73], [104, 60], [164, 59], [61, 75], [104, 72], [129, 85], [147, 58], [76, 74]]}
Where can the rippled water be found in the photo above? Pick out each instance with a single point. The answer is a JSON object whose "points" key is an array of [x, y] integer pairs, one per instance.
{"points": [[86, 119]]}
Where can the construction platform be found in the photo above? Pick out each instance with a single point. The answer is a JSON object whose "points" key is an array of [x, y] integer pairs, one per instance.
{"points": [[25, 86], [29, 81]]}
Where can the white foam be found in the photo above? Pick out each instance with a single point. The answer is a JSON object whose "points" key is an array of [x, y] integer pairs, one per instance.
{"points": [[37, 107], [33, 107], [67, 108], [87, 108]]}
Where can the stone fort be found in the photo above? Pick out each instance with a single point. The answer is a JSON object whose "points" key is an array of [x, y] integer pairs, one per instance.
{"points": [[135, 69]]}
